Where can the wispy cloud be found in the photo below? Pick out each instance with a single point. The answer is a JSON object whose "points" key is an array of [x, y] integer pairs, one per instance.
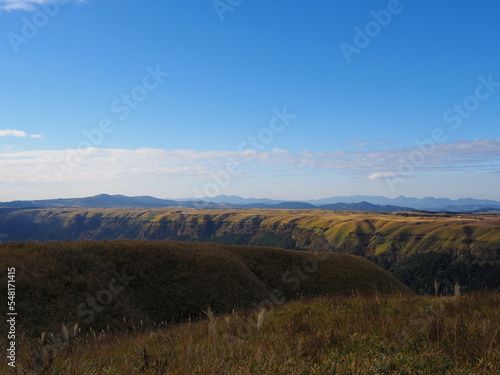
{"points": [[18, 133], [358, 144], [460, 154], [29, 5], [7, 148], [386, 142], [135, 166], [381, 175]]}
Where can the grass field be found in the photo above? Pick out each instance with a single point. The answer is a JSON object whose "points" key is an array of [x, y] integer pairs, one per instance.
{"points": [[355, 232], [335, 335], [143, 307], [98, 284], [472, 241]]}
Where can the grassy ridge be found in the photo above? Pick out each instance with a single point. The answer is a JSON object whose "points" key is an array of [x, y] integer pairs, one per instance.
{"points": [[362, 335], [367, 234], [100, 285], [470, 244]]}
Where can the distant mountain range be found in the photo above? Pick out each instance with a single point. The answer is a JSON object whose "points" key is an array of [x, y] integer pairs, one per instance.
{"points": [[426, 204], [350, 203], [110, 201]]}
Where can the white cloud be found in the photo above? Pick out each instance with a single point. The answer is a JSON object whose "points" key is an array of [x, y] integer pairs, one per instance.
{"points": [[451, 156], [29, 5], [157, 165], [15, 133], [18, 133], [380, 175]]}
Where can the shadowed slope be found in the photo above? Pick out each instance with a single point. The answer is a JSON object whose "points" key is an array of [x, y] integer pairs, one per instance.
{"points": [[98, 284]]}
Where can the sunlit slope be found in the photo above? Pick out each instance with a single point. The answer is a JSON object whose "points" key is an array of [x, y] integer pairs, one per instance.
{"points": [[368, 234]]}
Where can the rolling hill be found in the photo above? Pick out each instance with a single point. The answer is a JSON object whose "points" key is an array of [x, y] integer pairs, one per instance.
{"points": [[366, 234], [104, 285], [420, 249]]}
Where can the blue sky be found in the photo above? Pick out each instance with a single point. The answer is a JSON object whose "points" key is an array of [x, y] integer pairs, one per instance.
{"points": [[288, 100]]}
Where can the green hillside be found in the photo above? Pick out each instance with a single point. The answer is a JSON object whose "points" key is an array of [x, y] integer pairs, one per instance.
{"points": [[367, 234], [111, 285], [470, 243]]}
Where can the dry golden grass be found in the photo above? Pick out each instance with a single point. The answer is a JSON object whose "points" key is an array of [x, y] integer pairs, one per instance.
{"points": [[361, 335], [349, 230], [169, 281]]}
